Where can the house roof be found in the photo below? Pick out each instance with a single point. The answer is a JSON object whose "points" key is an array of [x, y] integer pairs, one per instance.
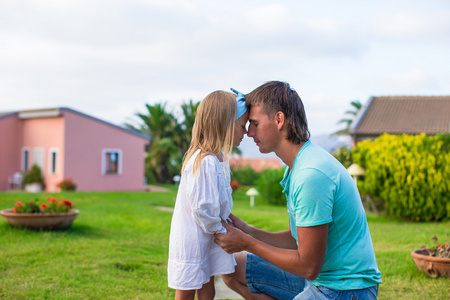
{"points": [[404, 114], [142, 135], [55, 112], [257, 164]]}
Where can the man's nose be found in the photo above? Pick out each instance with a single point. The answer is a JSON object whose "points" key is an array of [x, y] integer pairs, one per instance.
{"points": [[250, 131]]}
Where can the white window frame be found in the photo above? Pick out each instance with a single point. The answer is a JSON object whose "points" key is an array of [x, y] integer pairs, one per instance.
{"points": [[119, 162], [27, 162], [50, 161]]}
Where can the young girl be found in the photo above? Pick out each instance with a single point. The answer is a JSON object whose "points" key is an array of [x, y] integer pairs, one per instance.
{"points": [[204, 197]]}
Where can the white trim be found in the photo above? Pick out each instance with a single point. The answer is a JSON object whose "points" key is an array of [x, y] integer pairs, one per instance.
{"points": [[22, 155], [38, 113], [119, 162], [50, 160]]}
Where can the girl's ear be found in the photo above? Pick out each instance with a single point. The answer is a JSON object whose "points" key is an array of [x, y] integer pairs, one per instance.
{"points": [[279, 119]]}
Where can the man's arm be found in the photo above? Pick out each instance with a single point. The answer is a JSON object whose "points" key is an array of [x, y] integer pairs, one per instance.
{"points": [[282, 239], [306, 261]]}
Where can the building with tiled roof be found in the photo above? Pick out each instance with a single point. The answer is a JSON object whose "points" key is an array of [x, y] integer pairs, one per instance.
{"points": [[65, 143], [257, 164], [402, 115]]}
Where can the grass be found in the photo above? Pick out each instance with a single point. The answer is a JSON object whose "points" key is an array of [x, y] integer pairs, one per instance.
{"points": [[117, 249]]}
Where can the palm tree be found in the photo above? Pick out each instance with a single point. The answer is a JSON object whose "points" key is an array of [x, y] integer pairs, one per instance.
{"points": [[356, 105], [169, 139], [159, 164], [161, 126], [186, 124]]}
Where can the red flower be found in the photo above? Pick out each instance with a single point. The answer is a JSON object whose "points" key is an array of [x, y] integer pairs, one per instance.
{"points": [[235, 185], [18, 203], [14, 209], [49, 199], [43, 205], [68, 203]]}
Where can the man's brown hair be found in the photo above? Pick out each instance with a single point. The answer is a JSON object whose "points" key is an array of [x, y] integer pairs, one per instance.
{"points": [[275, 96]]}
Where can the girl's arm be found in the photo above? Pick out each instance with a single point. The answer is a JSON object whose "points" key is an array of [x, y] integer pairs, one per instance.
{"points": [[204, 198]]}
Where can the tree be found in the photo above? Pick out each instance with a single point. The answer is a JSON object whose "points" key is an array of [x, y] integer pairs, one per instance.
{"points": [[169, 139], [356, 107], [185, 127], [161, 126]]}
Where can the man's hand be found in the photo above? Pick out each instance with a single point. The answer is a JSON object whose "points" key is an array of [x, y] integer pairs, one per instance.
{"points": [[238, 223], [233, 241]]}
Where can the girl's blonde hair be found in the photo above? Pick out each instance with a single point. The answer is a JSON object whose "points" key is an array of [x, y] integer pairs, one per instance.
{"points": [[213, 130]]}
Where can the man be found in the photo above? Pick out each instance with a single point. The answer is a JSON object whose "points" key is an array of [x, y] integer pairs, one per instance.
{"points": [[327, 253]]}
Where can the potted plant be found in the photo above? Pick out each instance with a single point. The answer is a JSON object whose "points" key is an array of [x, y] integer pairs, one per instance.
{"points": [[434, 261], [33, 180], [67, 185], [51, 214]]}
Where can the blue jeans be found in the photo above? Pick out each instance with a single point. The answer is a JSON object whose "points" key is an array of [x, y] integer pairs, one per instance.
{"points": [[263, 277]]}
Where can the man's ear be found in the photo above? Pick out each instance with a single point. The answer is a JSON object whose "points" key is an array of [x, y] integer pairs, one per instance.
{"points": [[279, 119]]}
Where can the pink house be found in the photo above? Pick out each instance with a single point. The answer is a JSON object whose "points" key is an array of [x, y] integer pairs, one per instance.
{"points": [[64, 143]]}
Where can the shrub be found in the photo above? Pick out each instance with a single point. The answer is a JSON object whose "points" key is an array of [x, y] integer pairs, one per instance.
{"points": [[410, 173], [344, 156], [269, 186], [67, 185], [34, 175], [245, 175]]}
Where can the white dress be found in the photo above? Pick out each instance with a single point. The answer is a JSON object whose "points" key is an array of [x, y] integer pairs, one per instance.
{"points": [[203, 200]]}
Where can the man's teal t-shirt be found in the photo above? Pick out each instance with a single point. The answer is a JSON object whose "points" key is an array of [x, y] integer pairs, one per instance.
{"points": [[320, 190]]}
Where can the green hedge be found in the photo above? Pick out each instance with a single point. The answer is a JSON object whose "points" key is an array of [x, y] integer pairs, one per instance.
{"points": [[410, 173], [245, 175], [269, 186], [344, 156]]}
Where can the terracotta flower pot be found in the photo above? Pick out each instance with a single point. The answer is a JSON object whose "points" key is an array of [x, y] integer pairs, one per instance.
{"points": [[38, 221], [431, 265]]}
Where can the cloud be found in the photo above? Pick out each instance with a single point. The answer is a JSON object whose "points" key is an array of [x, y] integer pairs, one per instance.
{"points": [[110, 58], [271, 19], [411, 80], [413, 26]]}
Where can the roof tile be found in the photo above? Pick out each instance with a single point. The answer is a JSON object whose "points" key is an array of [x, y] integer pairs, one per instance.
{"points": [[406, 114]]}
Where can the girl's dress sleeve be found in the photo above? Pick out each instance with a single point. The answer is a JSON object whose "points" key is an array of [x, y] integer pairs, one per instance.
{"points": [[204, 198]]}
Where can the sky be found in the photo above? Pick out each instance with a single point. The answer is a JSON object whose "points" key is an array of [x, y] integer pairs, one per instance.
{"points": [[108, 58]]}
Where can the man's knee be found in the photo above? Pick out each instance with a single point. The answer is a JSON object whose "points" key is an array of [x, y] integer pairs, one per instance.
{"points": [[229, 279], [238, 277]]}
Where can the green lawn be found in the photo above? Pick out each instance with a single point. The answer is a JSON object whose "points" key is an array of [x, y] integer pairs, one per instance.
{"points": [[117, 249]]}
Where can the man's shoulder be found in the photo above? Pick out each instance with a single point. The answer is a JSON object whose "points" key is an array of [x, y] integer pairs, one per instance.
{"points": [[312, 156]]}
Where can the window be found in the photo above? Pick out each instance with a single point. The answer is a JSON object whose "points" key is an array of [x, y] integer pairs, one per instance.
{"points": [[111, 161], [53, 156], [25, 158]]}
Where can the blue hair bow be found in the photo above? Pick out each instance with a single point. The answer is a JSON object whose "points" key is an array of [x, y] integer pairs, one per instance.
{"points": [[241, 106]]}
